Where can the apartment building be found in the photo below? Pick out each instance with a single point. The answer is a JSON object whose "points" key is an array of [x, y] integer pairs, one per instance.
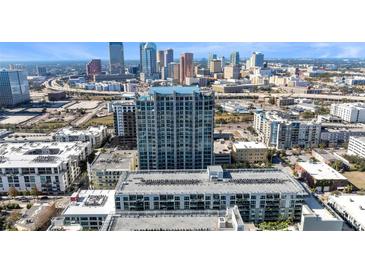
{"points": [[259, 194], [357, 146], [277, 130], [249, 152], [349, 112], [50, 167], [106, 169], [125, 122], [334, 136], [96, 135], [175, 128]]}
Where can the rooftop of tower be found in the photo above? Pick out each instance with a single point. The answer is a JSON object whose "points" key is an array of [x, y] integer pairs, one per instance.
{"points": [[171, 90]]}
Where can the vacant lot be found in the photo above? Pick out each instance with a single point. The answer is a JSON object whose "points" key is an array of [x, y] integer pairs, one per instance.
{"points": [[357, 178], [102, 121]]}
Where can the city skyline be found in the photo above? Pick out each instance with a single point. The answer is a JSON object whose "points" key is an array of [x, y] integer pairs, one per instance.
{"points": [[69, 51]]}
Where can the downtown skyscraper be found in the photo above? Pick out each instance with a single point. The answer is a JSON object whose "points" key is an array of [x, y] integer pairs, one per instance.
{"points": [[235, 58], [169, 57], [93, 68], [14, 88], [175, 128], [148, 59], [116, 58], [186, 67]]}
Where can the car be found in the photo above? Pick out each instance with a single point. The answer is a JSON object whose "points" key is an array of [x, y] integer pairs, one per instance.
{"points": [[43, 198]]}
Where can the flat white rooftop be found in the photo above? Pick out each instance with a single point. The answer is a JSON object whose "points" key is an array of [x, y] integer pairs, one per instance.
{"points": [[360, 139], [249, 145], [197, 182], [353, 205], [38, 154], [93, 130], [170, 222], [321, 171], [85, 204], [313, 207]]}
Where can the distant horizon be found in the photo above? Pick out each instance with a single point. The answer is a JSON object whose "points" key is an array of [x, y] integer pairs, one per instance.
{"points": [[83, 51], [195, 59]]}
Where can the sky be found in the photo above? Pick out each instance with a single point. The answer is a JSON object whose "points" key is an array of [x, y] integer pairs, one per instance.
{"points": [[44, 51]]}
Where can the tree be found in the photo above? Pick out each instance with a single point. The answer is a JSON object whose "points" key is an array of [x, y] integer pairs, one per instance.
{"points": [[34, 192], [12, 192]]}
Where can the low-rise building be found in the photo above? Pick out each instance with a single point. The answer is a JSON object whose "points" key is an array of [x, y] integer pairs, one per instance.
{"points": [[357, 146], [49, 167], [89, 208], [315, 217], [340, 135], [321, 176], [349, 112], [351, 208], [222, 152], [249, 152], [96, 135], [328, 157], [260, 194], [284, 101], [108, 167], [229, 220]]}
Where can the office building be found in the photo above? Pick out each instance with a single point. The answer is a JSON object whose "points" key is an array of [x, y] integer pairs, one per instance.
{"points": [[357, 146], [104, 172], [277, 130], [260, 194], [320, 176], [256, 60], [148, 60], [96, 135], [116, 58], [349, 112], [174, 72], [93, 68], [235, 58], [215, 66], [249, 152], [351, 208], [50, 167], [186, 67], [175, 128], [14, 88], [160, 60], [211, 56], [168, 57], [231, 72], [125, 123]]}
